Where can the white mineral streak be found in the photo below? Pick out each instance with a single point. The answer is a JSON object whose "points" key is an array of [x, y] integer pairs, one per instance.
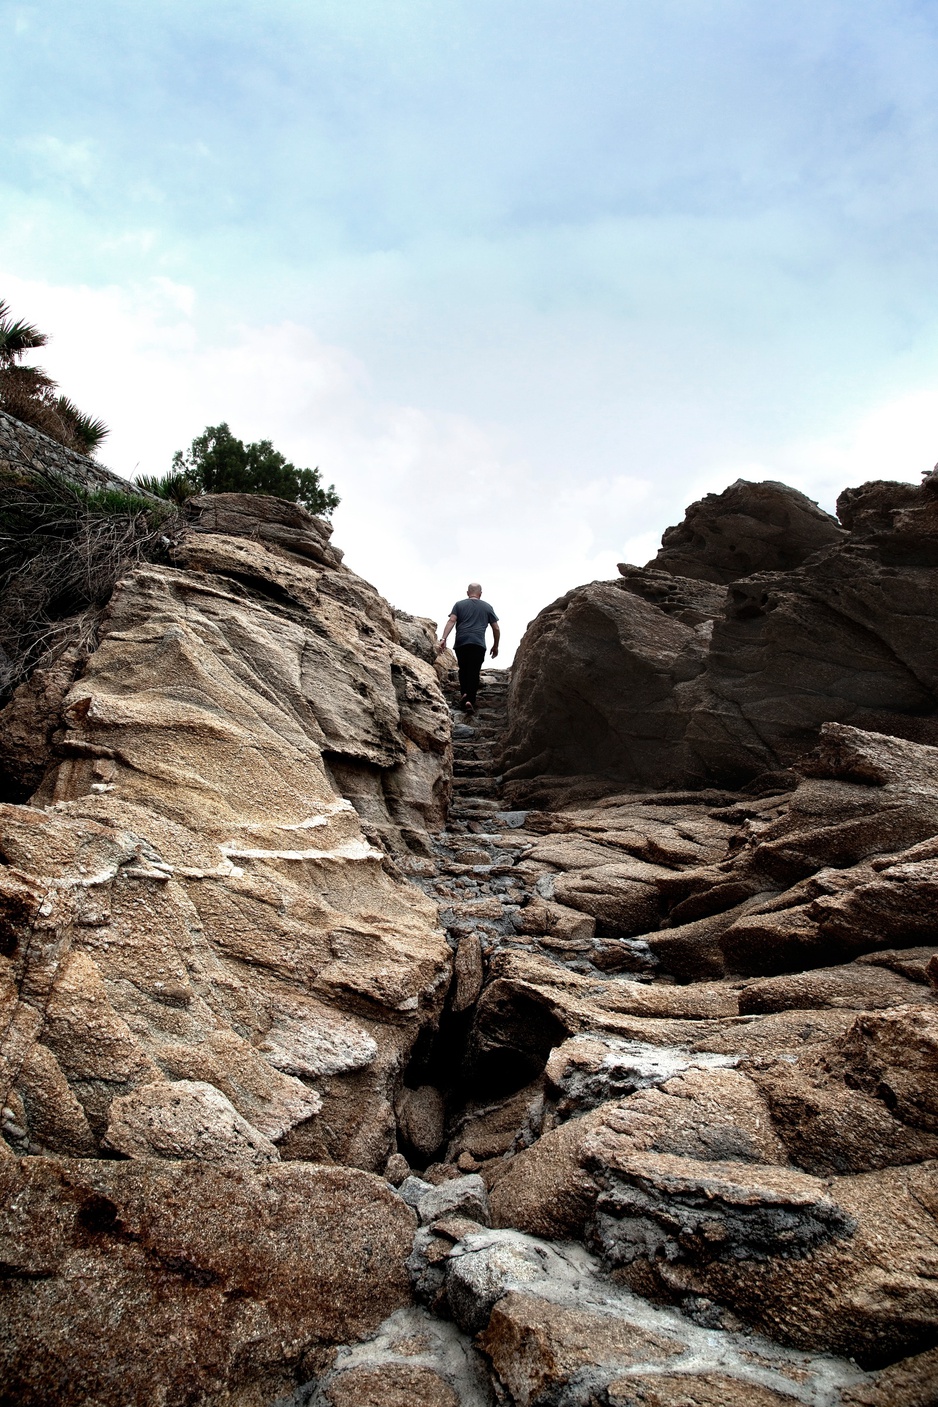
{"points": [[333, 809], [350, 850]]}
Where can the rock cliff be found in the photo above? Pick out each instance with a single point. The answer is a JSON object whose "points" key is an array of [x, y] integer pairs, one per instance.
{"points": [[760, 619], [340, 1071]]}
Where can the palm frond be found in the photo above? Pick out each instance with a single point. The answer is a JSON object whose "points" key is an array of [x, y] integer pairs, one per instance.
{"points": [[175, 487], [17, 337], [84, 429]]}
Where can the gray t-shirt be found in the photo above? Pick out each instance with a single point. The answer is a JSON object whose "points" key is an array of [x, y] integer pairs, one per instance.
{"points": [[472, 618]]}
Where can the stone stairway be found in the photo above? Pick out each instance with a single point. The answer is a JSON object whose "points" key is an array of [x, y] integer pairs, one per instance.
{"points": [[477, 884], [492, 892]]}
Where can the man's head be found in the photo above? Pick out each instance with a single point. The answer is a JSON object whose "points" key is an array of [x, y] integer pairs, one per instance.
{"points": [[474, 589]]}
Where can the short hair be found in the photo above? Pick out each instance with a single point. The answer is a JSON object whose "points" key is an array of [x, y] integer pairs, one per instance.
{"points": [[473, 586]]}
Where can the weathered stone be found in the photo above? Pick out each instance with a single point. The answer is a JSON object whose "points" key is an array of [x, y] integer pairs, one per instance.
{"points": [[413, 1358], [536, 1347], [198, 791], [829, 1126], [468, 972], [493, 1128], [551, 1188], [185, 1119], [850, 985], [894, 1055], [29, 722], [749, 527], [910, 1383], [817, 626], [463, 1195], [241, 1272], [870, 1294], [633, 655], [420, 1119], [390, 1385], [679, 1208]]}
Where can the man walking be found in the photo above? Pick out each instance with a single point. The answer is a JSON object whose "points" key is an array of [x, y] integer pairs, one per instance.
{"points": [[471, 618]]}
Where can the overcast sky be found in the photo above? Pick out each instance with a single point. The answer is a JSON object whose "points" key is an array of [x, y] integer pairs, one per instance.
{"points": [[523, 277]]}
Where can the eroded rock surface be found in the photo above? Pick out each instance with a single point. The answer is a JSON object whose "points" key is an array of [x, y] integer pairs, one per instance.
{"points": [[649, 1064], [815, 623]]}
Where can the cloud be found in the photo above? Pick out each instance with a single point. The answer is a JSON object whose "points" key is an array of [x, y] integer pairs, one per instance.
{"points": [[431, 499]]}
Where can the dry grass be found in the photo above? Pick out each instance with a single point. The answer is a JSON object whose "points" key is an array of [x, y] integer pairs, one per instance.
{"points": [[62, 549]]}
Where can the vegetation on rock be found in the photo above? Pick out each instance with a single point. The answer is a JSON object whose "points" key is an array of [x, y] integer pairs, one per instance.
{"points": [[62, 548], [28, 394]]}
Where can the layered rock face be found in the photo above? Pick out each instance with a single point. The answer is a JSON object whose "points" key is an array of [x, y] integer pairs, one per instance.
{"points": [[760, 619], [210, 956]]}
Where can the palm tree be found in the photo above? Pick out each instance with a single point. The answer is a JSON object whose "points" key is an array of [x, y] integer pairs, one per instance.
{"points": [[28, 394], [17, 337]]}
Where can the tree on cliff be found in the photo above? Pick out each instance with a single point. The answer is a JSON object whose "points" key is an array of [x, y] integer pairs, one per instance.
{"points": [[28, 394], [218, 462]]}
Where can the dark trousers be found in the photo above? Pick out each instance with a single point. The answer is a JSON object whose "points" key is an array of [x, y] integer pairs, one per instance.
{"points": [[470, 659]]}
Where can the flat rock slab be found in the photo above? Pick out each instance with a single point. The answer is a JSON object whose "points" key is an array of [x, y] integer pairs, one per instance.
{"points": [[179, 1283]]}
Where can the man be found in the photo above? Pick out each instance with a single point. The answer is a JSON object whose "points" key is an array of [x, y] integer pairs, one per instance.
{"points": [[471, 618]]}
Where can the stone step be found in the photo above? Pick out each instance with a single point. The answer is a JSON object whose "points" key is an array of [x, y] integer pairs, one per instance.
{"points": [[466, 767]]}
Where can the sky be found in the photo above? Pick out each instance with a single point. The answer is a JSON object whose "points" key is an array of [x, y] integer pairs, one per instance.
{"points": [[523, 278]]}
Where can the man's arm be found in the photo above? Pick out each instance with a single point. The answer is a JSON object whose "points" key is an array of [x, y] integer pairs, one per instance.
{"points": [[496, 636], [446, 630]]}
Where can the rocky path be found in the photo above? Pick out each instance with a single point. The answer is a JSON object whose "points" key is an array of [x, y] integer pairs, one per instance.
{"points": [[507, 1317], [477, 883]]}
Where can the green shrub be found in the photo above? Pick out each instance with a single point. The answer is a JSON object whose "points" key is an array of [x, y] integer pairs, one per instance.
{"points": [[175, 487], [218, 462]]}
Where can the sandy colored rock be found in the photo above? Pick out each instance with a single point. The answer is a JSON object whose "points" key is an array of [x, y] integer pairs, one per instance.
{"points": [[639, 688], [468, 971], [545, 1190], [678, 1208], [828, 1126], [911, 1383], [894, 1054], [242, 1272], [185, 1119], [870, 1294], [551, 1188], [536, 1346], [489, 1129], [29, 722], [860, 988], [908, 962], [633, 655], [420, 1119], [694, 1390], [220, 913], [390, 1385]]}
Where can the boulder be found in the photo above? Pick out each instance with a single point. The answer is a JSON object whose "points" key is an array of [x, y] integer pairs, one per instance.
{"points": [[625, 656], [185, 1119], [552, 1187], [245, 1274], [868, 1292], [858, 987], [828, 1125], [748, 528], [627, 681], [414, 1360], [420, 1119]]}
